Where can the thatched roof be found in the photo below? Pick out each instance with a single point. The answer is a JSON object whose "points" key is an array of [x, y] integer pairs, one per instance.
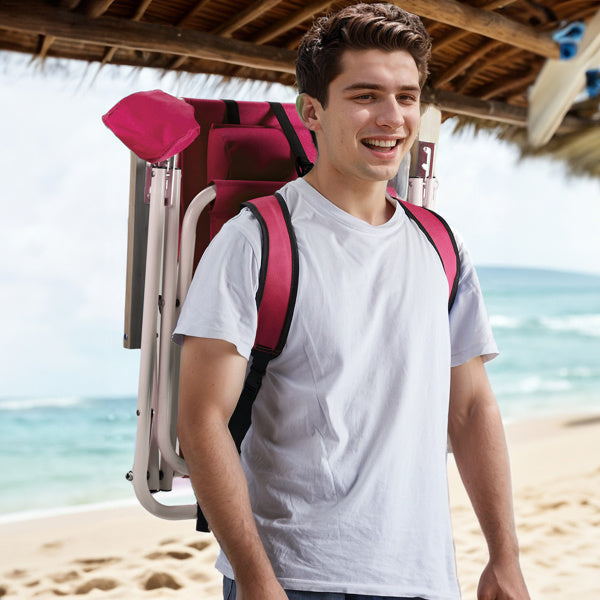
{"points": [[486, 53]]}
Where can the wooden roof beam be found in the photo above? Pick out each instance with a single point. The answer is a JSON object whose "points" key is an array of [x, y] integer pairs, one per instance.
{"points": [[501, 56], [484, 22], [226, 29], [447, 40], [183, 22], [192, 13], [492, 110], [495, 4], [590, 108], [139, 13], [510, 84], [296, 19], [94, 8], [246, 16], [475, 107], [459, 34], [48, 40], [37, 17], [463, 64]]}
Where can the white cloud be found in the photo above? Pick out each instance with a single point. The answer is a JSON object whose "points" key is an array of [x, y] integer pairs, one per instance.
{"points": [[518, 212]]}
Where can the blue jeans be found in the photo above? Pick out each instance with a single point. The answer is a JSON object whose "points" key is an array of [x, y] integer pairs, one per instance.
{"points": [[229, 594]]}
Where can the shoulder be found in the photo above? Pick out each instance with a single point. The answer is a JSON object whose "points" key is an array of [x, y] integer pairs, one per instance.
{"points": [[240, 232], [297, 194], [468, 275]]}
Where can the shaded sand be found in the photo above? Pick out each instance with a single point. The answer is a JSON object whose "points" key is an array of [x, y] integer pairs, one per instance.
{"points": [[127, 553]]}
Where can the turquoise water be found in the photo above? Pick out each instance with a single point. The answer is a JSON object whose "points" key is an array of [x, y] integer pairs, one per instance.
{"points": [[547, 326], [76, 451], [65, 451]]}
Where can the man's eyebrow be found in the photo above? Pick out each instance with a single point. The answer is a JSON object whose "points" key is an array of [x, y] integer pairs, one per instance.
{"points": [[366, 85]]}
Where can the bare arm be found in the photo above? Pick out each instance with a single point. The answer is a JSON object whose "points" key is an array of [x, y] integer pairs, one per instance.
{"points": [[211, 380], [477, 437]]}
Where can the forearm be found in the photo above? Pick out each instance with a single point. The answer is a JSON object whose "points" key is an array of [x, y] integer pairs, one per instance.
{"points": [[481, 455], [477, 437], [211, 379], [220, 486]]}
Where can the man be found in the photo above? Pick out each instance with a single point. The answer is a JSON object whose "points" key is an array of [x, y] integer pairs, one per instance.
{"points": [[341, 487]]}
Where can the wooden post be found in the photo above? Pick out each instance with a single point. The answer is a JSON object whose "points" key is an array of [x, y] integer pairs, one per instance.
{"points": [[422, 164], [422, 182]]}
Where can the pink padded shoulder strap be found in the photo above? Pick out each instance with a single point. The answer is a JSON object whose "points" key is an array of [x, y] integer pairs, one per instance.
{"points": [[279, 273], [441, 237]]}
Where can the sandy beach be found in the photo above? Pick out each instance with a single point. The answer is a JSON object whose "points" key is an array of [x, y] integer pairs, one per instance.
{"points": [[127, 553]]}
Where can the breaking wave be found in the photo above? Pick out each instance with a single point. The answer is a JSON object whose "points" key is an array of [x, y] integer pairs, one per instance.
{"points": [[586, 325]]}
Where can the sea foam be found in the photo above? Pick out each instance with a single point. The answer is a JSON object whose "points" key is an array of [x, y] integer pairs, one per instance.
{"points": [[33, 403]]}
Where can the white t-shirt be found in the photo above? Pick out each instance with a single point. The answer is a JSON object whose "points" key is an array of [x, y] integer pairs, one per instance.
{"points": [[346, 455]]}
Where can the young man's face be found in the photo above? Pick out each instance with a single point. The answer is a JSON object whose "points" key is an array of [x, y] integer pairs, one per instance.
{"points": [[372, 115]]}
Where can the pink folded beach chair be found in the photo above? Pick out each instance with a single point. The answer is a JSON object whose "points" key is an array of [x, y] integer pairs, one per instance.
{"points": [[193, 163]]}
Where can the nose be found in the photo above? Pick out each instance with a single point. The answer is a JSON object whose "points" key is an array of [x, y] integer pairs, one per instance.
{"points": [[390, 113]]}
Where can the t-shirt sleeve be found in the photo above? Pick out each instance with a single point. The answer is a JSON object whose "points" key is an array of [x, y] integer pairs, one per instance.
{"points": [[470, 330], [221, 300]]}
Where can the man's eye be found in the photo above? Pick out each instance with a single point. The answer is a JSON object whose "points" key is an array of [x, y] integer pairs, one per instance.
{"points": [[406, 98]]}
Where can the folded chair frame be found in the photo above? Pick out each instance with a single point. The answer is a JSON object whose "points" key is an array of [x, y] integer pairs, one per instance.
{"points": [[167, 278]]}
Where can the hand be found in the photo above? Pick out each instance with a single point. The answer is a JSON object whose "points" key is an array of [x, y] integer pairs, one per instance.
{"points": [[502, 580], [265, 590]]}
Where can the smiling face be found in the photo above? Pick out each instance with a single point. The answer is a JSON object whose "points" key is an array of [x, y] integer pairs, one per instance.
{"points": [[371, 118]]}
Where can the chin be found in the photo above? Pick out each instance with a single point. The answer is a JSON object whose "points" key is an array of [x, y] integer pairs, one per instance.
{"points": [[384, 174]]}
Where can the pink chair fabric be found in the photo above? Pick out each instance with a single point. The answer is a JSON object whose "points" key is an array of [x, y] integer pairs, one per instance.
{"points": [[154, 125]]}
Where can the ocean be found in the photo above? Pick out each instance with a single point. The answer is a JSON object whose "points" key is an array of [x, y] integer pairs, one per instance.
{"points": [[62, 453]]}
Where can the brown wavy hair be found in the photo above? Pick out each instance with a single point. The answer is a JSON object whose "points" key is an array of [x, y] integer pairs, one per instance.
{"points": [[362, 26]]}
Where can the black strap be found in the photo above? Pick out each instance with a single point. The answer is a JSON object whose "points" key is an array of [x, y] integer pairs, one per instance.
{"points": [[232, 111], [240, 420], [303, 165], [241, 417]]}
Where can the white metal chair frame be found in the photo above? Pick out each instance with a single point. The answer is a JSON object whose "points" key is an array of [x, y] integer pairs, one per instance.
{"points": [[167, 280]]}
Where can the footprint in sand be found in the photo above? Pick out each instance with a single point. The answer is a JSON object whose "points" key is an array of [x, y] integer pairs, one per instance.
{"points": [[65, 577], [168, 541], [52, 545], [100, 583], [16, 574], [91, 564], [170, 554], [160, 580], [200, 545]]}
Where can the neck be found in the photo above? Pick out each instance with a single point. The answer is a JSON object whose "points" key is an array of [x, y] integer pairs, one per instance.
{"points": [[365, 200]]}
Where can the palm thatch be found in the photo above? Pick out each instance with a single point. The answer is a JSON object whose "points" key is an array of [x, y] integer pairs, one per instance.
{"points": [[578, 150]]}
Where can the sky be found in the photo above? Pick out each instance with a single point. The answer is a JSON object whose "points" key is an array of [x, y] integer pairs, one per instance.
{"points": [[63, 231]]}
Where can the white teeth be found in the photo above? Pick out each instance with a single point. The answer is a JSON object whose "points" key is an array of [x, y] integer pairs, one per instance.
{"points": [[381, 143]]}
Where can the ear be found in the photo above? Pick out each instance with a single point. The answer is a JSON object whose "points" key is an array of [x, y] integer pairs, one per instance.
{"points": [[309, 109]]}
